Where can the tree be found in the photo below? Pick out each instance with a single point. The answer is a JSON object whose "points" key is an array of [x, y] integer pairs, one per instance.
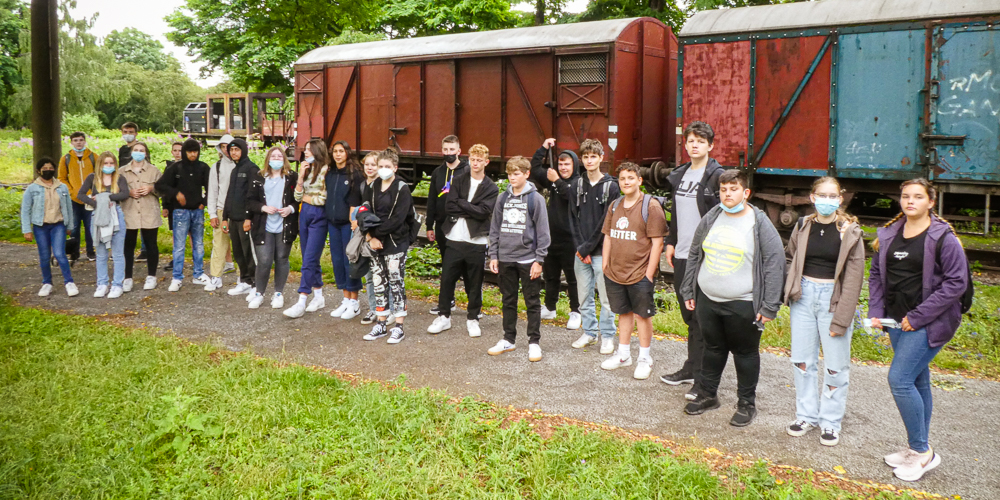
{"points": [[133, 46], [409, 18], [697, 5], [13, 25], [664, 10], [548, 11], [155, 99]]}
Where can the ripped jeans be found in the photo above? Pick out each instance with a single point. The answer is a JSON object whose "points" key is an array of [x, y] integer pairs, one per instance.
{"points": [[388, 272], [811, 317]]}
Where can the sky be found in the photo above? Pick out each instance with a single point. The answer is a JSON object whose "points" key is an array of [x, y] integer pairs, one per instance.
{"points": [[147, 16]]}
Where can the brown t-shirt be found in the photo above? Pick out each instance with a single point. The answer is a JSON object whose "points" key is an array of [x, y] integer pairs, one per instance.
{"points": [[632, 239]]}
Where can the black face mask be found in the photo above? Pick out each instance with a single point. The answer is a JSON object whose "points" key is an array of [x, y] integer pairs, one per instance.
{"points": [[450, 158], [48, 174]]}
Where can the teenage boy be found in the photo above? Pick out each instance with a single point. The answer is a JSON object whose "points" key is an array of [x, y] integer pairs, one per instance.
{"points": [[185, 183], [519, 240], [590, 195], [633, 240], [218, 189], [74, 167], [129, 134], [694, 188], [469, 207], [441, 183], [736, 269], [562, 253], [236, 220], [166, 204]]}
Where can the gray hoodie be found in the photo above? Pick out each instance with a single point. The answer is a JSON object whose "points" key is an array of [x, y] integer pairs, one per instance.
{"points": [[519, 231]]}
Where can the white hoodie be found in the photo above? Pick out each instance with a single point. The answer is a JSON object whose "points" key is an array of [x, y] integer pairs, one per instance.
{"points": [[218, 180]]}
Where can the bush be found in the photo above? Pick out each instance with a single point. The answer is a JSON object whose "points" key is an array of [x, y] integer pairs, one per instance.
{"points": [[87, 123], [424, 262]]}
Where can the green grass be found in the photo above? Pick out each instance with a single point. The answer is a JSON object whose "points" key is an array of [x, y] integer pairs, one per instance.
{"points": [[94, 410]]}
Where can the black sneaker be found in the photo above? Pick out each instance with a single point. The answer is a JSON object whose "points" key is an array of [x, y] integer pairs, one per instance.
{"points": [[396, 334], [692, 394], [701, 405], [677, 378], [829, 437], [169, 266], [436, 312], [745, 413], [138, 258], [378, 331], [369, 318], [91, 255]]}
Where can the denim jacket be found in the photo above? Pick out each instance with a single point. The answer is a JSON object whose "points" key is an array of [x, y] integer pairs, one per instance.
{"points": [[33, 206]]}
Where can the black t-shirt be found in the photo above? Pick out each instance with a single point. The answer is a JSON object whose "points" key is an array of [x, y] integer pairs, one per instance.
{"points": [[904, 275], [822, 251]]}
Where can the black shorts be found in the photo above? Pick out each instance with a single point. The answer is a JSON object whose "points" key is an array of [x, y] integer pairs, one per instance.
{"points": [[637, 297]]}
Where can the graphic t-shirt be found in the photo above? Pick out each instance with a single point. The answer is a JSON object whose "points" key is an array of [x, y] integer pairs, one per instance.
{"points": [[726, 272], [631, 239], [688, 216], [904, 270]]}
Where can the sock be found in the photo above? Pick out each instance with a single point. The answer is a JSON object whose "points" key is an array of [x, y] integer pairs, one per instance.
{"points": [[302, 299], [625, 350], [644, 353], [318, 292]]}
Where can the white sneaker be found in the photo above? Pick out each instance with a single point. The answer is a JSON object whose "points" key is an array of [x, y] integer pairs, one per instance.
{"points": [[617, 361], [501, 347], [150, 283], [214, 285], [71, 289], [607, 346], [472, 325], [296, 311], [534, 352], [317, 303], [584, 341], [255, 301], [353, 310], [239, 289], [899, 458], [203, 280], [251, 293], [228, 268], [175, 285], [126, 285], [547, 314], [340, 310], [278, 301], [115, 292], [643, 368], [439, 325], [914, 468], [101, 291], [575, 320], [45, 290]]}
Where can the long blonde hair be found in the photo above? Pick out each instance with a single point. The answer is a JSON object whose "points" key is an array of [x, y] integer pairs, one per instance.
{"points": [[98, 173], [932, 194], [265, 171]]}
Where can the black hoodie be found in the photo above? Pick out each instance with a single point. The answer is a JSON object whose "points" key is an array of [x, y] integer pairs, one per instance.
{"points": [[708, 193], [436, 211], [394, 208], [477, 213], [187, 177], [588, 207], [558, 194], [239, 184]]}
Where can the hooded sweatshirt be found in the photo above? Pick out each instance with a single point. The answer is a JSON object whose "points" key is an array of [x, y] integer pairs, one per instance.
{"points": [[73, 169], [558, 194], [239, 184], [588, 208], [519, 231], [187, 177], [441, 179], [707, 196], [218, 179]]}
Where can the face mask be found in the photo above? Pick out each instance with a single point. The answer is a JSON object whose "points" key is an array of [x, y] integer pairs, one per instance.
{"points": [[48, 174], [80, 150], [108, 170], [138, 156], [735, 210], [128, 137], [826, 207], [276, 164], [310, 160], [385, 173], [450, 158]]}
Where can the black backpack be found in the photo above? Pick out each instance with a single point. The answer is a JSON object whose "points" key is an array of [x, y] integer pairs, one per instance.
{"points": [[970, 291]]}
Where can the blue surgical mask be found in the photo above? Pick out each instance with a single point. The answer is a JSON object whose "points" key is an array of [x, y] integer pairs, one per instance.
{"points": [[138, 156], [735, 210], [108, 170], [310, 159], [276, 164], [826, 207], [80, 150]]}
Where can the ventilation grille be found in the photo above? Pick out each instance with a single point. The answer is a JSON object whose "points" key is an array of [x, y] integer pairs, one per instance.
{"points": [[584, 68]]}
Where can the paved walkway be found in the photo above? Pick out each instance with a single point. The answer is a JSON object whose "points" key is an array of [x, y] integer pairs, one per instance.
{"points": [[965, 430]]}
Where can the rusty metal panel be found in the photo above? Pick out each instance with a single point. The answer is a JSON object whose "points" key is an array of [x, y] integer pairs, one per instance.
{"points": [[480, 99], [653, 110], [879, 112], [803, 139], [376, 93], [529, 87], [626, 98], [439, 105], [309, 111], [968, 67], [717, 91], [341, 101], [406, 108]]}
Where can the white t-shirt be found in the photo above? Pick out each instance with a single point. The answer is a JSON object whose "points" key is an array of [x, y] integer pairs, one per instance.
{"points": [[460, 231]]}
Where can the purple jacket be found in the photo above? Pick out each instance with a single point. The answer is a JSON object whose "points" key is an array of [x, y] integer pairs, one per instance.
{"points": [[945, 280]]}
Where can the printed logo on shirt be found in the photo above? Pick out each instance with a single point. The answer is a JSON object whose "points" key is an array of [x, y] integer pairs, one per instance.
{"points": [[901, 255], [687, 189], [620, 233], [724, 252], [515, 214]]}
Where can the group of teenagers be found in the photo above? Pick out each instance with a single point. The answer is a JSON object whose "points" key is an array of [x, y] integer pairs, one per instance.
{"points": [[560, 215]]}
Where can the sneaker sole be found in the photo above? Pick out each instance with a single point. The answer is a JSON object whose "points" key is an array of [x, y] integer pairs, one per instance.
{"points": [[497, 353], [395, 341], [829, 442], [921, 471], [535, 359], [292, 315], [676, 382], [369, 339], [703, 410], [801, 433], [439, 331], [623, 365], [367, 321]]}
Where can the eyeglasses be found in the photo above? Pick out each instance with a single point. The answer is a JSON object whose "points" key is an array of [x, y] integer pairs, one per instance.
{"points": [[827, 196]]}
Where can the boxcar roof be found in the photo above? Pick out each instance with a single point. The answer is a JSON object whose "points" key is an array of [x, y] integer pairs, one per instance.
{"points": [[557, 35], [830, 13]]}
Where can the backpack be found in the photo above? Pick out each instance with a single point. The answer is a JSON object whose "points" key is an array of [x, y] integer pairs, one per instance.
{"points": [[646, 198], [93, 161], [414, 219], [970, 291], [580, 195]]}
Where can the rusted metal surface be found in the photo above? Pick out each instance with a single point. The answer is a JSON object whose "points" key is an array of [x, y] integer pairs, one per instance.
{"points": [[655, 113], [406, 125], [717, 91], [529, 87], [480, 98], [309, 110], [341, 100], [440, 110], [376, 93]]}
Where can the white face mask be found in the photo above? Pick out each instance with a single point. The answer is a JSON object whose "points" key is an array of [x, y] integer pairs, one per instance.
{"points": [[385, 173], [128, 137]]}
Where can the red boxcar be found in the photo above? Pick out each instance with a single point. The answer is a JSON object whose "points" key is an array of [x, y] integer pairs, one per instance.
{"points": [[507, 89]]}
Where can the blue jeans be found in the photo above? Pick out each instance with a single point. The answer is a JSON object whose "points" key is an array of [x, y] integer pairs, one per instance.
{"points": [[811, 318], [340, 235], [82, 217], [589, 276], [312, 241], [51, 240], [910, 383], [189, 222], [117, 255], [370, 285]]}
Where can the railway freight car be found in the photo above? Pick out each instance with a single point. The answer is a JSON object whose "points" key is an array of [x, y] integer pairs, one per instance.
{"points": [[508, 89], [871, 91]]}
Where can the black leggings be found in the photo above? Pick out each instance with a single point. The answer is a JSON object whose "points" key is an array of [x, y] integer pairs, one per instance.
{"points": [[152, 250]]}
